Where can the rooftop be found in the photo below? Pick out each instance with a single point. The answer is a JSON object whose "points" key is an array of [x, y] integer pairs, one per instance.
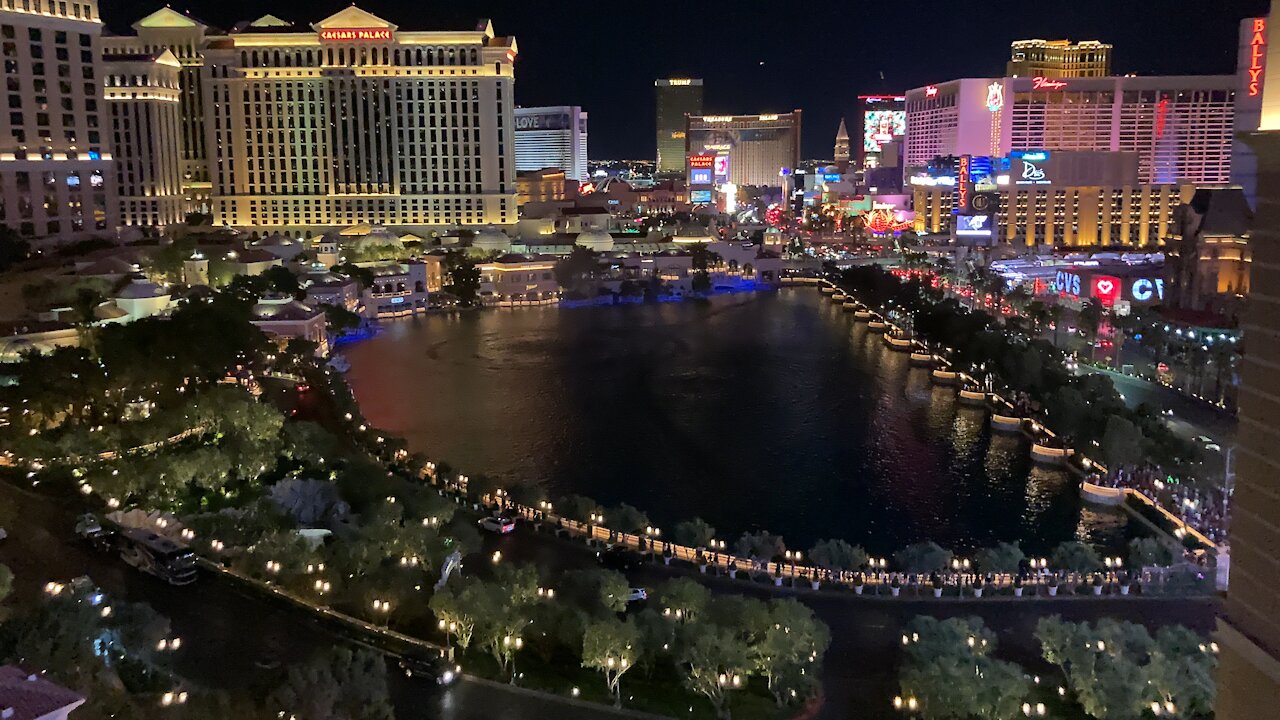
{"points": [[32, 696]]}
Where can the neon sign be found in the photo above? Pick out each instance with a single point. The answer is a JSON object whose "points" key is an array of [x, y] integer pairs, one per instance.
{"points": [[1106, 289], [1162, 112], [1068, 283], [701, 161], [1144, 289], [931, 91], [964, 183], [1044, 83], [360, 34], [1257, 56], [995, 96]]}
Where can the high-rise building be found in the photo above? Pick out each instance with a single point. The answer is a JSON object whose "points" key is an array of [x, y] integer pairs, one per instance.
{"points": [[143, 94], [552, 137], [842, 146], [1249, 626], [353, 120], [677, 97], [186, 38], [55, 159], [1059, 59], [884, 123], [1181, 127], [743, 149]]}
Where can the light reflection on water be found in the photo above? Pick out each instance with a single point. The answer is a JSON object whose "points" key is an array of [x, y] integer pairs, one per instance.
{"points": [[772, 411]]}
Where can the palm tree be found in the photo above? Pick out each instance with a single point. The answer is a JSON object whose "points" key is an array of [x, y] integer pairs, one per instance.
{"points": [[1054, 313]]}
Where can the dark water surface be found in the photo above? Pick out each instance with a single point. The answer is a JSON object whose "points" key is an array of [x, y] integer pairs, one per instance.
{"points": [[772, 410]]}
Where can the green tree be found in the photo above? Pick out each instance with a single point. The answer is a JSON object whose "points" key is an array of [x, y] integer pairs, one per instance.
{"points": [[950, 672], [454, 606], [612, 647], [501, 607], [578, 507], [362, 275], [1104, 664], [837, 555], [684, 599], [339, 318], [281, 280], [577, 269], [695, 533], [462, 277], [760, 547], [628, 519], [923, 557], [339, 684], [1122, 443], [1003, 558], [1075, 556], [1181, 671], [13, 248], [1148, 551], [788, 649], [716, 661], [1091, 314]]}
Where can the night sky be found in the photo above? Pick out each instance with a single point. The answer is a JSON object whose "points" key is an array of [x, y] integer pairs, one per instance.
{"points": [[771, 56]]}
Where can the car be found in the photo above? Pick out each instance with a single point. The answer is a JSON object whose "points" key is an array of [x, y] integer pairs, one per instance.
{"points": [[430, 667], [1208, 443], [637, 595], [618, 557], [500, 524]]}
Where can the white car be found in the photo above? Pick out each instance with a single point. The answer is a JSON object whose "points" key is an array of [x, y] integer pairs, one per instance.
{"points": [[500, 524], [637, 594]]}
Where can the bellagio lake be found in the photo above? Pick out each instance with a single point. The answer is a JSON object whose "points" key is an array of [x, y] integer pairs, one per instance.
{"points": [[772, 411]]}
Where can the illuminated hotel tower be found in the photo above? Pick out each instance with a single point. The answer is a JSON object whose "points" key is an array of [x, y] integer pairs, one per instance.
{"points": [[55, 160], [356, 121], [677, 97], [186, 38]]}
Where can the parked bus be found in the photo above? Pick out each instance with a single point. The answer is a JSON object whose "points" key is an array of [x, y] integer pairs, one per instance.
{"points": [[157, 555]]}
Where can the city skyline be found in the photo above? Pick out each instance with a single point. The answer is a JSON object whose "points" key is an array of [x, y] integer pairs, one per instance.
{"points": [[819, 73]]}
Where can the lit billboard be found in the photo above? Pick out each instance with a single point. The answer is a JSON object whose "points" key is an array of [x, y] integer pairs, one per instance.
{"points": [[700, 176], [880, 127], [973, 225], [701, 161], [721, 168], [698, 197]]}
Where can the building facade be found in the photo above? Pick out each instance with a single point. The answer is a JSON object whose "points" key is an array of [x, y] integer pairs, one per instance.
{"points": [[1249, 625], [55, 160], [1059, 59], [552, 137], [1069, 216], [677, 97], [186, 38], [143, 96], [1181, 127], [357, 121], [746, 150]]}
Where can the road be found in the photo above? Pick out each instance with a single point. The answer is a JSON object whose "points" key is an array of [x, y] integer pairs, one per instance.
{"points": [[860, 677], [1191, 417], [228, 631]]}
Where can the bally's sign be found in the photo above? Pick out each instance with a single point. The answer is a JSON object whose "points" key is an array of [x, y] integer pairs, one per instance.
{"points": [[354, 34]]}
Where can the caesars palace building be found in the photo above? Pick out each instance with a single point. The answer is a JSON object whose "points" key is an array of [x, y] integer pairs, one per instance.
{"points": [[293, 130]]}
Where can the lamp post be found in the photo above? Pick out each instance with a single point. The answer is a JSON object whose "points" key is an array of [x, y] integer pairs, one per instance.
{"points": [[383, 608], [793, 557], [512, 643], [596, 519]]}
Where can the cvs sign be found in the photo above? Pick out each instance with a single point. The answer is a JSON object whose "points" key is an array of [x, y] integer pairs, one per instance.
{"points": [[1068, 283], [1147, 290]]}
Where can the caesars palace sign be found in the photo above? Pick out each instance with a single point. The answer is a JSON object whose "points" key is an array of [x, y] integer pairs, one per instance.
{"points": [[354, 34]]}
